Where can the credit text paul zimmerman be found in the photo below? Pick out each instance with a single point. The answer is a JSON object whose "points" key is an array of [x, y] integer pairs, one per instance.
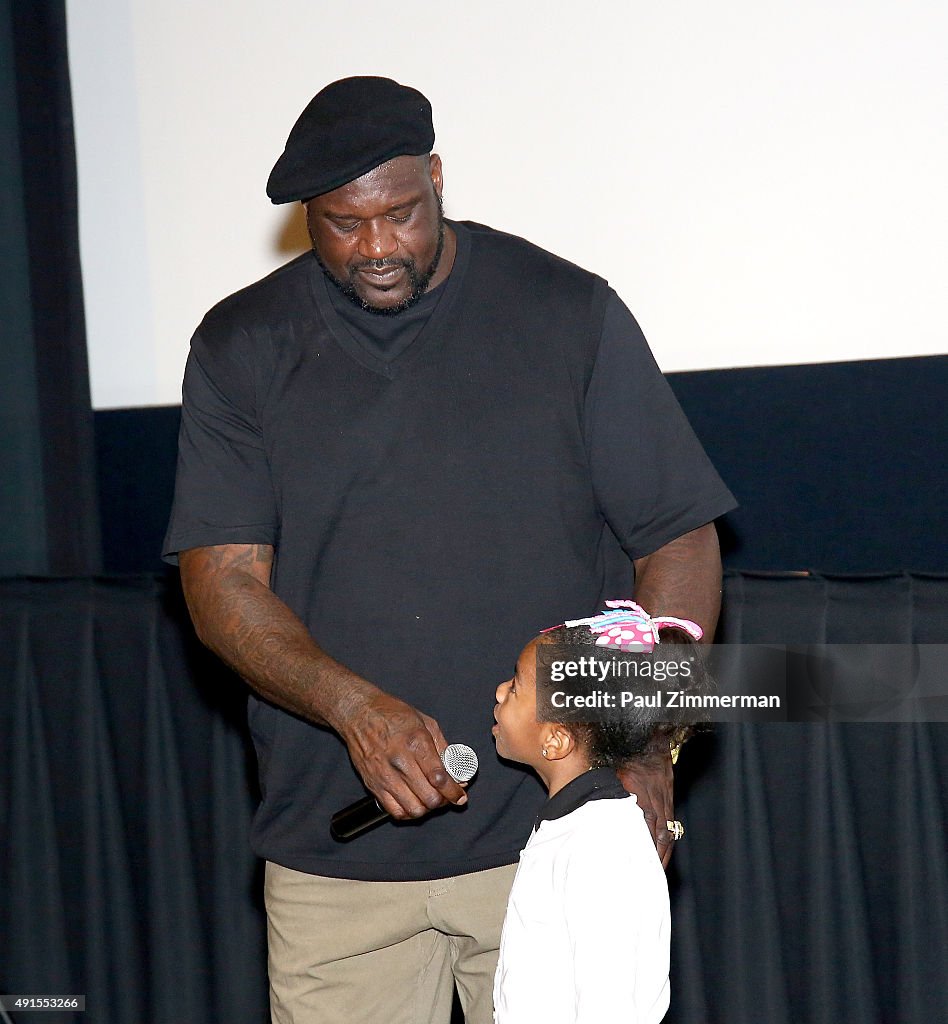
{"points": [[658, 671], [661, 699]]}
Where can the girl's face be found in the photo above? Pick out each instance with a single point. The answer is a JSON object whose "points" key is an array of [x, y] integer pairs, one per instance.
{"points": [[517, 732]]}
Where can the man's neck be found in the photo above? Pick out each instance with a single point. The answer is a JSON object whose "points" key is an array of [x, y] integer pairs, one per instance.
{"points": [[446, 263]]}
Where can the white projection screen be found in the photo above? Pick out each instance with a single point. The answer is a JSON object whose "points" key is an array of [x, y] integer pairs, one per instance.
{"points": [[762, 183]]}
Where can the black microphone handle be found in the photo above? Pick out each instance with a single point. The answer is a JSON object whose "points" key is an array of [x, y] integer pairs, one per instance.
{"points": [[461, 764], [355, 819]]}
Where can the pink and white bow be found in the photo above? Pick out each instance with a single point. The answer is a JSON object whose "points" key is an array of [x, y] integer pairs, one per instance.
{"points": [[629, 627]]}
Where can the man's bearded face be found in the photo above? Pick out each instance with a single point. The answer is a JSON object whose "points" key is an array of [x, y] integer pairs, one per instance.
{"points": [[380, 238]]}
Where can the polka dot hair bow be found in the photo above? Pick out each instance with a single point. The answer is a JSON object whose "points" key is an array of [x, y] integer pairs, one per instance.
{"points": [[628, 627]]}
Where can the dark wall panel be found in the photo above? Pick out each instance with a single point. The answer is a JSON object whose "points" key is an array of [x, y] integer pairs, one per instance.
{"points": [[838, 467], [136, 451]]}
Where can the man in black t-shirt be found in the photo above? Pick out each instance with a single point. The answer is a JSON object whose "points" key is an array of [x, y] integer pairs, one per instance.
{"points": [[399, 460]]}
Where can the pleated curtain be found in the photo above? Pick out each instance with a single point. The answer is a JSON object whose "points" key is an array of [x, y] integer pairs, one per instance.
{"points": [[812, 884]]}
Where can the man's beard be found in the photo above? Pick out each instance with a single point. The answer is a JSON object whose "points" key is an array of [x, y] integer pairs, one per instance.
{"points": [[419, 281]]}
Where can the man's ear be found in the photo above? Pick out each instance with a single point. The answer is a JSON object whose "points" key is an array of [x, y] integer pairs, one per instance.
{"points": [[307, 215], [558, 741], [434, 169]]}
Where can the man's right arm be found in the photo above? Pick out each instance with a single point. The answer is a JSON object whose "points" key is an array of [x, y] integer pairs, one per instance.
{"points": [[394, 747]]}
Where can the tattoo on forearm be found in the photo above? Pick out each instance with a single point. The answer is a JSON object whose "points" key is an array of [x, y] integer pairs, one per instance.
{"points": [[237, 615]]}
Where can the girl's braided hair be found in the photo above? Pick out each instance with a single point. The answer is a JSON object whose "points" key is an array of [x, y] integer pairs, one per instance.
{"points": [[639, 733]]}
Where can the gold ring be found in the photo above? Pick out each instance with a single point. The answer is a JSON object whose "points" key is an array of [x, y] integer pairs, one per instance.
{"points": [[676, 828]]}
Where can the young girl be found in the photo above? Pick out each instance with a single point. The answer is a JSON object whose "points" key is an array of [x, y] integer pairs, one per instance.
{"points": [[587, 932]]}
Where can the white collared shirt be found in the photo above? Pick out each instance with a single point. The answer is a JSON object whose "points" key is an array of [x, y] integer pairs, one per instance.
{"points": [[587, 934]]}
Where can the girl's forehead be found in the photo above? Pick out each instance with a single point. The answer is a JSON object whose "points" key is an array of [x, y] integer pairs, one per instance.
{"points": [[527, 662]]}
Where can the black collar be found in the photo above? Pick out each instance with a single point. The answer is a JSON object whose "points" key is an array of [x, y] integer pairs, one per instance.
{"points": [[596, 784]]}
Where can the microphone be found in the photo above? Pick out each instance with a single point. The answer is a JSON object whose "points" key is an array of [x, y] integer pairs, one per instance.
{"points": [[461, 764]]}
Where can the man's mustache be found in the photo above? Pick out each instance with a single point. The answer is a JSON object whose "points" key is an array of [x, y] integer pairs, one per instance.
{"points": [[382, 264]]}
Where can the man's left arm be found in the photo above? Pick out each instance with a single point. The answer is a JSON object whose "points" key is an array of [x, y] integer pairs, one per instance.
{"points": [[652, 480], [682, 578]]}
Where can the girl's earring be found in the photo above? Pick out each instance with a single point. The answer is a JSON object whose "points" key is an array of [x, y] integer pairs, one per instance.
{"points": [[544, 752]]}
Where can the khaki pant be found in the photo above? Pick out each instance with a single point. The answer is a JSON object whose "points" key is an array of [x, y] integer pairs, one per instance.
{"points": [[383, 952]]}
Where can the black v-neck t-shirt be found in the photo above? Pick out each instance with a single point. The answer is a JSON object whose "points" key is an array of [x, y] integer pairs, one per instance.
{"points": [[433, 502], [385, 335]]}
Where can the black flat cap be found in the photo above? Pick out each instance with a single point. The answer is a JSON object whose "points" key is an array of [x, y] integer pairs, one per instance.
{"points": [[348, 128]]}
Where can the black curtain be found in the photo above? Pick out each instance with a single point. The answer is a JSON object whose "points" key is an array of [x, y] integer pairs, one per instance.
{"points": [[48, 500], [812, 884]]}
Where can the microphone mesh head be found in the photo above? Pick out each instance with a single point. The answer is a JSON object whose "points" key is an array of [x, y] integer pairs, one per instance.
{"points": [[460, 761]]}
